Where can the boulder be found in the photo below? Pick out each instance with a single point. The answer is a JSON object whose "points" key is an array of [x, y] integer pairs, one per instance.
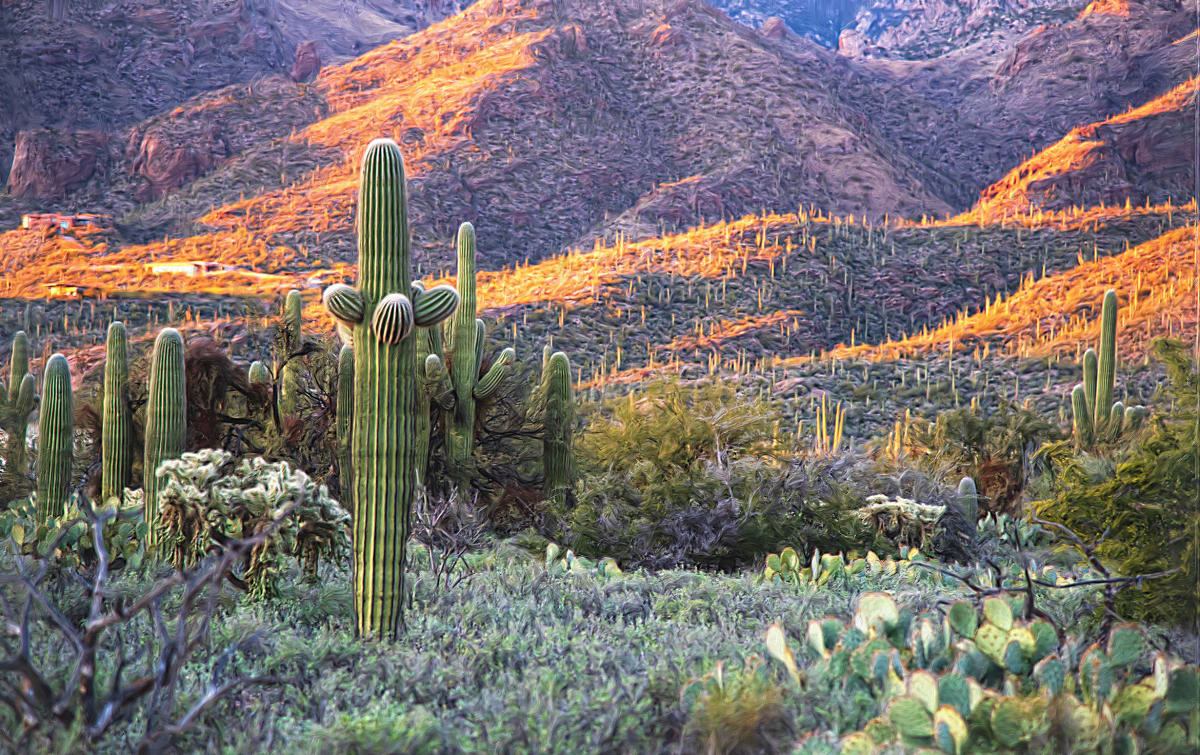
{"points": [[48, 164], [168, 160], [308, 61]]}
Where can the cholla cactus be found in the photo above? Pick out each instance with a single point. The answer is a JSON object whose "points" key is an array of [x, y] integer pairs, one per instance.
{"points": [[904, 521], [207, 498]]}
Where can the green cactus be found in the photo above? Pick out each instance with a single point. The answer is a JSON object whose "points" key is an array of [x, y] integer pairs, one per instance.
{"points": [[289, 375], [968, 498], [345, 420], [466, 336], [258, 373], [116, 464], [56, 438], [166, 422], [557, 459], [1097, 419], [384, 446], [17, 401]]}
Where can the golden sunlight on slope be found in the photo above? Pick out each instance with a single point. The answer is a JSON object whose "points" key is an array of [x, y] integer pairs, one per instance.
{"points": [[1156, 282], [1144, 154], [1107, 8]]}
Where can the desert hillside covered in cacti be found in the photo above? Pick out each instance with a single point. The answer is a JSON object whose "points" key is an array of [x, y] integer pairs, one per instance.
{"points": [[601, 376]]}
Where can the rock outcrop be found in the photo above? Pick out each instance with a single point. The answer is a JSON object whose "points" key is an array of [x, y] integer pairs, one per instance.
{"points": [[167, 162], [49, 164], [308, 61]]}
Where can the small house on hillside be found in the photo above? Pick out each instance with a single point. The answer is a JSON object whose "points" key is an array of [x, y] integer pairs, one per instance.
{"points": [[37, 221], [191, 268]]}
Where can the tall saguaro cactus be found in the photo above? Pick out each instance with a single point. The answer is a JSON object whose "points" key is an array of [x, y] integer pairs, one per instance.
{"points": [[382, 312], [116, 446], [17, 400], [166, 420], [1097, 419], [467, 335], [56, 438], [557, 460], [345, 421]]}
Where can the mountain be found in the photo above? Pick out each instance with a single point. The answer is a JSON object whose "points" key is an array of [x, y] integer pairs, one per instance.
{"points": [[77, 65]]}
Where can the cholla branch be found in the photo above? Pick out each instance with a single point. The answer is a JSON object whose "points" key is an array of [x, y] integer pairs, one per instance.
{"points": [[28, 690]]}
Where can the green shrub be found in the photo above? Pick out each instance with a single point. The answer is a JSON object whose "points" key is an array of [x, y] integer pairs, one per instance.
{"points": [[693, 477], [992, 448], [1141, 506]]}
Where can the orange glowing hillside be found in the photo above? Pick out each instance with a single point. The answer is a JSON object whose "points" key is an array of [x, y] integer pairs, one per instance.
{"points": [[1156, 283], [1145, 154]]}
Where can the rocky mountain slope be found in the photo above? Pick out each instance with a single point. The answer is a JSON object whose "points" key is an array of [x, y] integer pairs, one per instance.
{"points": [[79, 65]]}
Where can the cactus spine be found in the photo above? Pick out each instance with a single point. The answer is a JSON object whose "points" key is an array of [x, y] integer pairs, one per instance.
{"points": [[166, 420], [467, 335], [115, 434], [289, 383], [56, 436], [384, 444], [345, 421], [557, 461], [1096, 418], [16, 403]]}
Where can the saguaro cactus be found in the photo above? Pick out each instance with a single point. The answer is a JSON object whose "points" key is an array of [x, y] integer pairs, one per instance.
{"points": [[467, 335], [345, 421], [17, 400], [166, 420], [289, 383], [116, 432], [1097, 419], [557, 460], [382, 315], [968, 498], [56, 438]]}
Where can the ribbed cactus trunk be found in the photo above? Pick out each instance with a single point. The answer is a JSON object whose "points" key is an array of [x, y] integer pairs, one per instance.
{"points": [[56, 438], [17, 404], [166, 422], [968, 498], [557, 460], [345, 422], [1107, 372], [464, 360], [116, 442], [384, 446], [289, 382]]}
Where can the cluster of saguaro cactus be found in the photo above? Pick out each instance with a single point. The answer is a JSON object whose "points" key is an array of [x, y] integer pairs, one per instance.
{"points": [[1098, 419], [463, 361], [166, 418], [116, 447], [17, 400], [56, 438], [382, 313]]}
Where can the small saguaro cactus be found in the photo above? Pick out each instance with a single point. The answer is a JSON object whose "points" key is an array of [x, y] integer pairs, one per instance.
{"points": [[258, 373], [56, 439], [17, 400], [116, 448], [382, 312], [466, 335], [557, 460], [1097, 419], [166, 421], [289, 373]]}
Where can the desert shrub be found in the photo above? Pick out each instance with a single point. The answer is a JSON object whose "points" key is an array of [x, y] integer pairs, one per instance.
{"points": [[993, 448], [733, 711], [209, 499], [693, 477], [1140, 506]]}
